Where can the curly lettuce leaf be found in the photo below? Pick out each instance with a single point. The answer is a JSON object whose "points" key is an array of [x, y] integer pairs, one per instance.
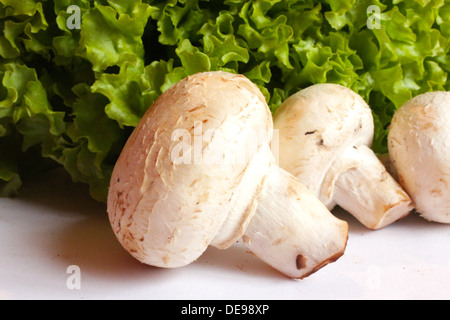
{"points": [[73, 96], [109, 34]]}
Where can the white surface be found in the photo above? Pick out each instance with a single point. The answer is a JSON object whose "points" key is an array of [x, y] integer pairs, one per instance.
{"points": [[54, 224]]}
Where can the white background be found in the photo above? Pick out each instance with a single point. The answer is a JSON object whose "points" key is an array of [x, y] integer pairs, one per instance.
{"points": [[54, 224]]}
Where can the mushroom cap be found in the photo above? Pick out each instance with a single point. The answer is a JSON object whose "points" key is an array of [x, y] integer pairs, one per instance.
{"points": [[323, 121], [419, 148], [167, 212]]}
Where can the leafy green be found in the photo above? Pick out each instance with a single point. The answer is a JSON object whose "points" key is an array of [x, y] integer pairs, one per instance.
{"points": [[71, 97]]}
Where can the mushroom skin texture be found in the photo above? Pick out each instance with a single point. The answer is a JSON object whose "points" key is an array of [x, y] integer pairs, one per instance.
{"points": [[419, 150], [227, 186], [326, 131]]}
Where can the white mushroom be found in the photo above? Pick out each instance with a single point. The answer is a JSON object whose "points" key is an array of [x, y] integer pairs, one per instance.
{"points": [[419, 148], [326, 131], [198, 171]]}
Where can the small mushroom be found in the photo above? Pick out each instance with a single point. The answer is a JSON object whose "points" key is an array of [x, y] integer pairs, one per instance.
{"points": [[419, 149], [182, 183], [326, 132]]}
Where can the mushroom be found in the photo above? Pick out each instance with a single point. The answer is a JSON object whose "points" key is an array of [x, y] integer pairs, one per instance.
{"points": [[198, 171], [326, 131], [419, 149]]}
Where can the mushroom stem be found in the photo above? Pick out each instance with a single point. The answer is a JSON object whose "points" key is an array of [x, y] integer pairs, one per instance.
{"points": [[368, 191], [292, 230]]}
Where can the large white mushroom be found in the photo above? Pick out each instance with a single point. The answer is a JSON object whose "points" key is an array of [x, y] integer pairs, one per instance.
{"points": [[198, 171], [326, 132], [419, 149]]}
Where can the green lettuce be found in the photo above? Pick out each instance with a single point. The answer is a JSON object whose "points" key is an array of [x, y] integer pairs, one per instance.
{"points": [[71, 97]]}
